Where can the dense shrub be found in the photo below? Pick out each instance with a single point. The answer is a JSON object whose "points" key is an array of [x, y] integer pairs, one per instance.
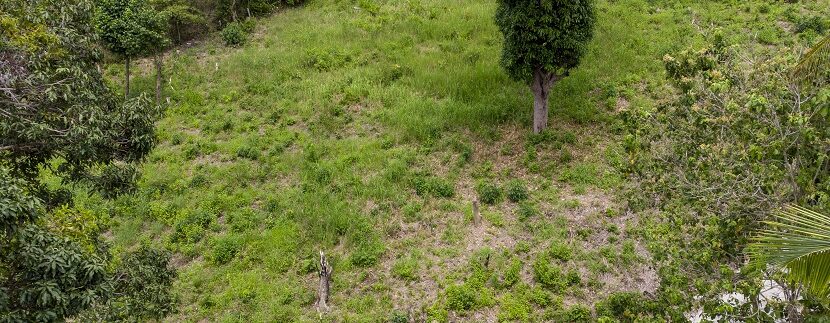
{"points": [[516, 191], [224, 250], [234, 34], [488, 192], [433, 186], [624, 306], [739, 141], [549, 275], [461, 297], [115, 179]]}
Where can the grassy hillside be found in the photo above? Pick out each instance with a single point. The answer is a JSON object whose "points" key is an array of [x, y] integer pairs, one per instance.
{"points": [[365, 129]]}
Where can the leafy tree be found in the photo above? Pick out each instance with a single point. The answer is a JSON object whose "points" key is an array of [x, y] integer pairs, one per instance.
{"points": [[56, 113], [141, 288], [543, 40], [178, 14], [44, 277], [131, 28]]}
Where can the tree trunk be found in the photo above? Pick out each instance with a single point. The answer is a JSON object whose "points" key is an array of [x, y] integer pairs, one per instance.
{"points": [[541, 85], [127, 83], [540, 111], [159, 79]]}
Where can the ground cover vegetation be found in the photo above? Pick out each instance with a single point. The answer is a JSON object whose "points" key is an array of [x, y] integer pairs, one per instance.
{"points": [[367, 129]]}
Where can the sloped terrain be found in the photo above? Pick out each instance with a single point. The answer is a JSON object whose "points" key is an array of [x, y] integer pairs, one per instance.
{"points": [[366, 129]]}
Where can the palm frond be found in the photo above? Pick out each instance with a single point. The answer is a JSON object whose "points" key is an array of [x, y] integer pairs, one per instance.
{"points": [[816, 60], [799, 240]]}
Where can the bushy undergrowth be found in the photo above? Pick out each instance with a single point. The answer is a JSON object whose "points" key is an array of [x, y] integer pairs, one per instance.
{"points": [[740, 141]]}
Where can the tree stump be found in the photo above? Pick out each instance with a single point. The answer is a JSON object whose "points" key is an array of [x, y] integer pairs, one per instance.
{"points": [[325, 283], [476, 212]]}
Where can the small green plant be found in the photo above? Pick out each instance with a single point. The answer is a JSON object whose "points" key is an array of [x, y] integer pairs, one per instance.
{"points": [[488, 192], [248, 152], [527, 210], [516, 191], [577, 313], [461, 297], [433, 186], [406, 269], [224, 250], [234, 34], [549, 275], [560, 251]]}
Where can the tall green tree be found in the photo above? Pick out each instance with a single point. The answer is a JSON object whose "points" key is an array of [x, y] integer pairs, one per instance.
{"points": [[543, 41], [57, 113], [131, 28]]}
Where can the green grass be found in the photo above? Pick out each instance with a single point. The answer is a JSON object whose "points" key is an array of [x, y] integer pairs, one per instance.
{"points": [[362, 129]]}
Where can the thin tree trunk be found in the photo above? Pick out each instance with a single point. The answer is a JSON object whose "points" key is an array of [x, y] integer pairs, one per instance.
{"points": [[325, 281], [159, 79], [476, 212], [127, 83]]}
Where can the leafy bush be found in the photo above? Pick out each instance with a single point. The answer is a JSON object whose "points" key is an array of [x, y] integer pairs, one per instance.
{"points": [[406, 269], [433, 186], [191, 226], [224, 250], [461, 297], [488, 193], [527, 210], [739, 140], [549, 275], [577, 313], [248, 152], [559, 250], [625, 306], [516, 191], [234, 34]]}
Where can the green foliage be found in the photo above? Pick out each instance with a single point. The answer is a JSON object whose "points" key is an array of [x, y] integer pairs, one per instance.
{"points": [[224, 250], [527, 210], [488, 192], [560, 251], [577, 313], [59, 106], [115, 179], [624, 306], [406, 268], [143, 282], [59, 115], [549, 275], [130, 27], [234, 34], [548, 35], [516, 191], [798, 241], [433, 186], [461, 297], [721, 124], [43, 276]]}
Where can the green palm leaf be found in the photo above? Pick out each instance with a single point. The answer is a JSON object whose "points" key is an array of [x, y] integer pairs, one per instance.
{"points": [[816, 60], [800, 242]]}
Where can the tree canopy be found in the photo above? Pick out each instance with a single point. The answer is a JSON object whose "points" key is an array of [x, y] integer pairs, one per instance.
{"points": [[543, 40], [56, 113], [548, 35]]}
